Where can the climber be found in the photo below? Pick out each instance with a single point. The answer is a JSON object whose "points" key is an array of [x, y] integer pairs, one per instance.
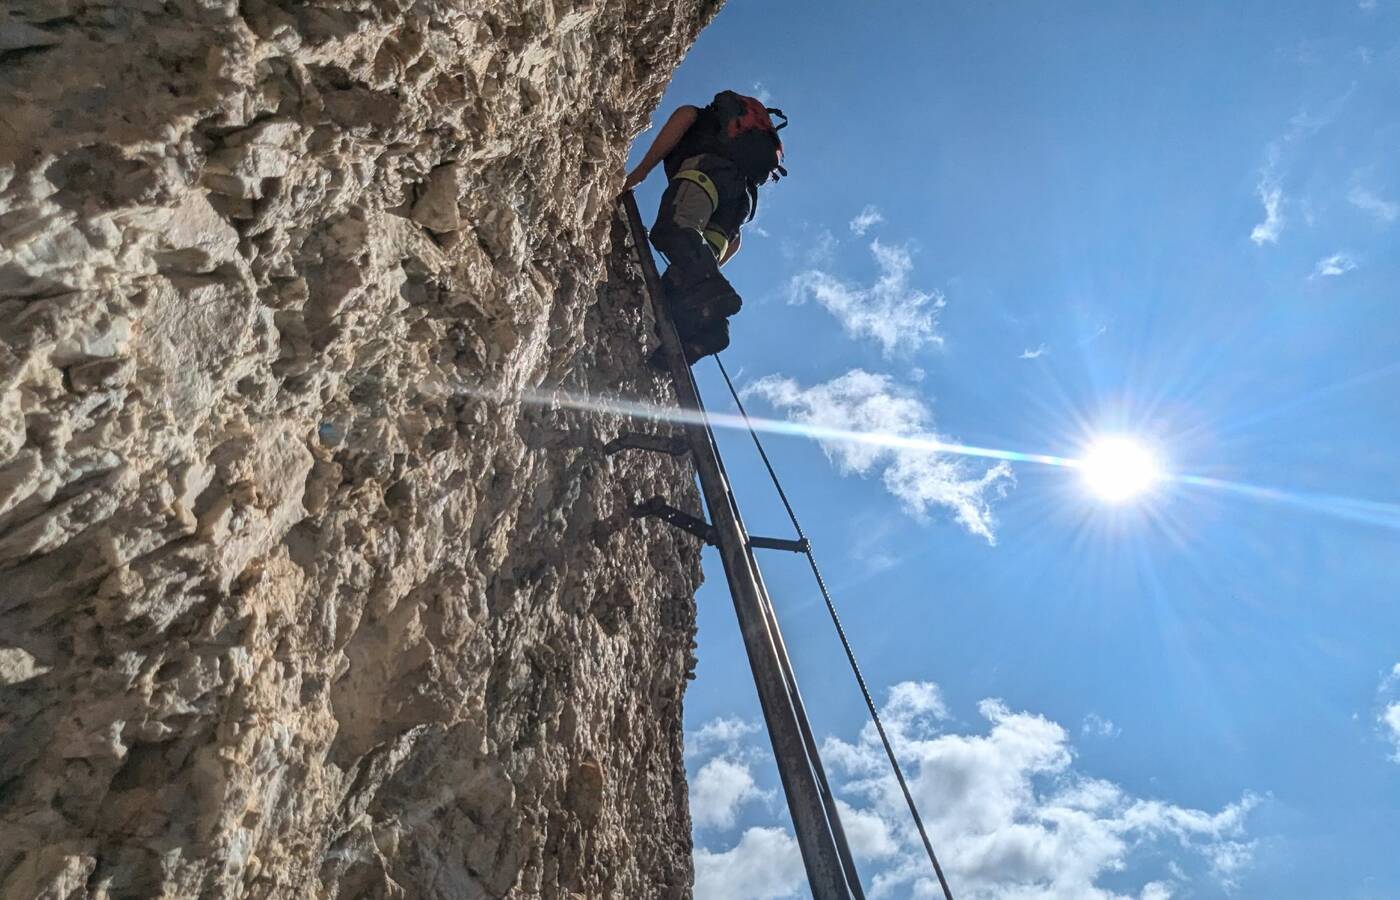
{"points": [[715, 157]]}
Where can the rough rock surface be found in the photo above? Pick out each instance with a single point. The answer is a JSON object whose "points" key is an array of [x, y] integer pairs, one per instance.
{"points": [[289, 607]]}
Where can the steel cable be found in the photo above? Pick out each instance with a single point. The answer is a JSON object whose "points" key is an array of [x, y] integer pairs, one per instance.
{"points": [[841, 633]]}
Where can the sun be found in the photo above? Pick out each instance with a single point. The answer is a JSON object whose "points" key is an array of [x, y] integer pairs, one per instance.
{"points": [[1117, 469]]}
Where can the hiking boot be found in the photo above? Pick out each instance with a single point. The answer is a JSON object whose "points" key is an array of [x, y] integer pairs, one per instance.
{"points": [[695, 314], [708, 342], [710, 297], [711, 340]]}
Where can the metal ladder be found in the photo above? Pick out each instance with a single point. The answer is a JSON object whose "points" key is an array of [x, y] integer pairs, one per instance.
{"points": [[831, 870]]}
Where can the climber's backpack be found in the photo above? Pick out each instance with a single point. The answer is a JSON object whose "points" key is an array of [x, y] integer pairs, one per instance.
{"points": [[747, 136]]}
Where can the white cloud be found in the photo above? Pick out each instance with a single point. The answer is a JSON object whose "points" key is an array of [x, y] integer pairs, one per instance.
{"points": [[866, 219], [861, 401], [718, 733], [1366, 5], [764, 865], [719, 790], [1389, 717], [890, 310], [1097, 726], [1334, 265], [1390, 720], [869, 835], [761, 93], [1037, 353], [914, 707], [1271, 195], [1012, 819], [1157, 890], [1386, 211]]}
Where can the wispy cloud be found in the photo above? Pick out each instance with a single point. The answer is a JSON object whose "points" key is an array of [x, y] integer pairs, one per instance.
{"points": [[889, 310], [1037, 353], [1271, 195], [1390, 720], [761, 93], [869, 543], [1334, 265], [921, 480], [1366, 5], [1096, 725], [1389, 717], [1386, 211], [865, 220], [1010, 815], [1269, 187]]}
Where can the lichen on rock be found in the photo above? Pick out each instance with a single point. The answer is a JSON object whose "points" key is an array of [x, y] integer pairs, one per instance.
{"points": [[298, 597]]}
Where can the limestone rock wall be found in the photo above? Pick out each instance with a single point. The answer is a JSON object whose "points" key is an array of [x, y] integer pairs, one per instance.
{"points": [[297, 598]]}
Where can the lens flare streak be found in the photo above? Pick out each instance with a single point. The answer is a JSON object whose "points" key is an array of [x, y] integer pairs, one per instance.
{"points": [[780, 426], [1370, 512]]}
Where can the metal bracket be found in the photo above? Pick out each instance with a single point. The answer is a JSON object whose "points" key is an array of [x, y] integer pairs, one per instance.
{"points": [[656, 443], [763, 543], [659, 509]]}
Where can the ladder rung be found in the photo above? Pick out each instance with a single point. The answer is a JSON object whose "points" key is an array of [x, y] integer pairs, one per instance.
{"points": [[763, 543]]}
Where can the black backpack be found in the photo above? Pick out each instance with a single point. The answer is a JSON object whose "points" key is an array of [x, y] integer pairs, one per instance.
{"points": [[747, 137]]}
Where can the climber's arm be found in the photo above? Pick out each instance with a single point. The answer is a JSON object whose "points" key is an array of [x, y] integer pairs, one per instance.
{"points": [[666, 141]]}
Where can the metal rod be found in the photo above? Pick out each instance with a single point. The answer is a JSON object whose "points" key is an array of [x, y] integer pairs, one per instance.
{"points": [[838, 831], [763, 543], [825, 869]]}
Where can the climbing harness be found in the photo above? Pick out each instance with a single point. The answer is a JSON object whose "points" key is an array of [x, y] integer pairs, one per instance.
{"points": [[826, 853], [718, 241], [705, 183]]}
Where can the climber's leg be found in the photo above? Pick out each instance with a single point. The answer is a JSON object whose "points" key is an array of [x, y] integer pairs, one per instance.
{"points": [[696, 292]]}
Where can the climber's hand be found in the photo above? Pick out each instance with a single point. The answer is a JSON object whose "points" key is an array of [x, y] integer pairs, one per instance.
{"points": [[634, 178]]}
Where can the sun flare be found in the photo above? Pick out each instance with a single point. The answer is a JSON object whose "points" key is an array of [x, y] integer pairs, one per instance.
{"points": [[1118, 469]]}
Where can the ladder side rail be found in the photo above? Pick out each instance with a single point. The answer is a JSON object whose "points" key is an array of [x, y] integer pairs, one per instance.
{"points": [[820, 857], [814, 759], [833, 813]]}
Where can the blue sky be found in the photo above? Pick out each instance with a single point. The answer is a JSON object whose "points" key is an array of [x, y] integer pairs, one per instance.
{"points": [[1019, 225]]}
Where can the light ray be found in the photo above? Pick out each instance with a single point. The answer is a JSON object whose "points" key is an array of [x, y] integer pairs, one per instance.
{"points": [[1370, 512], [778, 426]]}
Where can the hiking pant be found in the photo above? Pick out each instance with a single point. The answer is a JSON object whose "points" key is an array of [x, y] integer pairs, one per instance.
{"points": [[702, 209]]}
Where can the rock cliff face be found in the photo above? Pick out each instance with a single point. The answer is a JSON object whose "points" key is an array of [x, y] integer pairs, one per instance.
{"points": [[297, 598]]}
